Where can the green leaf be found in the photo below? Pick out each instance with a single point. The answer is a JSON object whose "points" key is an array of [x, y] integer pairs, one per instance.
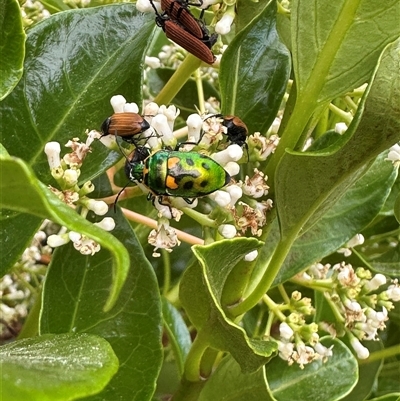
{"points": [[200, 292], [368, 374], [177, 332], [387, 263], [397, 208], [66, 90], [229, 383], [254, 72], [77, 286], [22, 192], [12, 46], [56, 367], [16, 233], [336, 45], [321, 177], [318, 381], [350, 215]]}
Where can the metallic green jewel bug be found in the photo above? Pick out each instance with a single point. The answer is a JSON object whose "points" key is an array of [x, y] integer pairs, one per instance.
{"points": [[174, 173]]}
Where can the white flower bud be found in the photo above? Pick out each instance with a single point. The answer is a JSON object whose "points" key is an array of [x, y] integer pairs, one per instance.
{"points": [[393, 292], [152, 62], [71, 177], [150, 110], [340, 128], [361, 351], [160, 124], [232, 168], [74, 236], [221, 197], [107, 224], [285, 331], [208, 3], [232, 153], [131, 108], [223, 26], [251, 256], [53, 150], [171, 112], [117, 103], [358, 239], [394, 154], [235, 192], [375, 282], [227, 230], [57, 240], [194, 123], [98, 207]]}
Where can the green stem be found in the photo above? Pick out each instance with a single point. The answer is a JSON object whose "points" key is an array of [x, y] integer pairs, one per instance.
{"points": [[200, 217], [200, 91], [193, 360], [31, 325], [269, 275], [344, 115], [167, 272], [178, 79], [382, 354]]}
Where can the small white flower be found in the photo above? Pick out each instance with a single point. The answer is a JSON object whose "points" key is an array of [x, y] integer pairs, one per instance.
{"points": [[221, 197], [131, 108], [71, 177], [160, 124], [171, 112], [361, 351], [286, 351], [152, 62], [323, 351], [53, 150], [394, 155], [358, 239], [232, 153], [341, 128], [195, 124], [150, 110], [393, 292], [98, 207], [74, 236], [249, 257], [256, 186], [57, 240], [227, 230], [163, 238], [235, 193], [304, 355], [144, 6], [232, 168], [208, 3], [375, 282], [117, 103], [223, 26], [107, 224], [285, 331]]}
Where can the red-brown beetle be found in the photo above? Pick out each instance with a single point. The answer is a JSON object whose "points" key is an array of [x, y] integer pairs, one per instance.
{"points": [[199, 48], [126, 125], [178, 10]]}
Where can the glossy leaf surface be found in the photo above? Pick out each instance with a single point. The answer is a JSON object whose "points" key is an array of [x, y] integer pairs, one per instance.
{"points": [[56, 367], [12, 46], [77, 286], [254, 72]]}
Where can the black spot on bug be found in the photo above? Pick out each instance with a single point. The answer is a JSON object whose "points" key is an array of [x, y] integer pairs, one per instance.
{"points": [[205, 166], [190, 162], [204, 183], [188, 185]]}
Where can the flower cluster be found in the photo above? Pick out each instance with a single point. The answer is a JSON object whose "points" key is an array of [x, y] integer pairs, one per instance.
{"points": [[299, 340], [359, 300], [240, 202], [66, 172]]}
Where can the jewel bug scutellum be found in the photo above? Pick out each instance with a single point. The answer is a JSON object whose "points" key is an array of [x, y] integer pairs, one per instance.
{"points": [[127, 125], [188, 175]]}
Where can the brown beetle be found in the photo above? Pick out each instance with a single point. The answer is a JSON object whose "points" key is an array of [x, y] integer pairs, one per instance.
{"points": [[199, 48], [236, 129], [178, 10], [126, 125]]}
